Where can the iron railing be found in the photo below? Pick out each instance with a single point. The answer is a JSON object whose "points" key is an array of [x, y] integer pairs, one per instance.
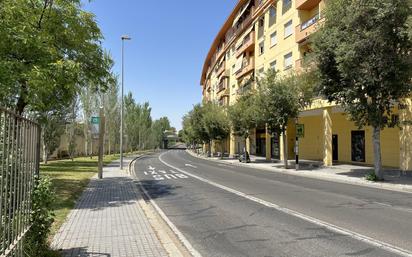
{"points": [[19, 164]]}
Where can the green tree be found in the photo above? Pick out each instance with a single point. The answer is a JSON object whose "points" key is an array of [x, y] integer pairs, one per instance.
{"points": [[131, 122], [197, 124], [363, 54], [215, 122], [48, 49], [145, 124], [280, 99], [158, 128], [243, 115], [112, 114], [188, 134], [72, 129], [52, 125]]}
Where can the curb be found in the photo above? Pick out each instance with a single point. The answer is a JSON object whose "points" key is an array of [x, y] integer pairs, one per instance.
{"points": [[171, 238], [377, 185]]}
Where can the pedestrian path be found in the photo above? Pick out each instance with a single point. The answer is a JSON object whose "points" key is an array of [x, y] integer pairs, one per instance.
{"points": [[345, 173], [108, 221]]}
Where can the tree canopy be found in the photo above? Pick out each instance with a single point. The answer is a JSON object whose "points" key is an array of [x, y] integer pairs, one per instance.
{"points": [[363, 53], [48, 49]]}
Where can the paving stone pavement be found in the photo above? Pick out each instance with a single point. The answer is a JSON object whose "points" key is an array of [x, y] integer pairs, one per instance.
{"points": [[108, 221]]}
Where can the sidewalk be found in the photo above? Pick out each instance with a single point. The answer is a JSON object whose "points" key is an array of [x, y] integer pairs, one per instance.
{"points": [[345, 173], [108, 221]]}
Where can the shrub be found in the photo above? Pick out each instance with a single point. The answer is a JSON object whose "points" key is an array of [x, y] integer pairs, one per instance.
{"points": [[371, 176], [42, 217]]}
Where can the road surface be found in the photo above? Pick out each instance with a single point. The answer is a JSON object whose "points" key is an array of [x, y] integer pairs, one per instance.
{"points": [[232, 211]]}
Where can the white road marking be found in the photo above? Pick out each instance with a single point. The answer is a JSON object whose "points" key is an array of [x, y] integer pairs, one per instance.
{"points": [[163, 175], [355, 235], [190, 165], [172, 226], [151, 168]]}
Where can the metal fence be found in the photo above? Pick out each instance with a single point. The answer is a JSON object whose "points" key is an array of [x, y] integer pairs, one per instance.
{"points": [[19, 164]]}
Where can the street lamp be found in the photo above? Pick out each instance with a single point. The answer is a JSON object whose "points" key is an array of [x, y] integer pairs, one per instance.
{"points": [[125, 37]]}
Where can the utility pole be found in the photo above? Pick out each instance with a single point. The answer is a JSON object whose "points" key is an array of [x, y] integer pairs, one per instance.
{"points": [[122, 103], [101, 141]]}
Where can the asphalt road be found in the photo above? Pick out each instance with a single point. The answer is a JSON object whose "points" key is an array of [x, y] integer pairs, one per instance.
{"points": [[226, 210]]}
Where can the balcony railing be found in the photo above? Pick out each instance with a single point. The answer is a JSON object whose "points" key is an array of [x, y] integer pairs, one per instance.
{"points": [[305, 29], [248, 43], [247, 66], [222, 86], [306, 4], [220, 69], [235, 31]]}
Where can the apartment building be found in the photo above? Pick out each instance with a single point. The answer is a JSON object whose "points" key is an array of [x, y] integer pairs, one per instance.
{"points": [[267, 34]]}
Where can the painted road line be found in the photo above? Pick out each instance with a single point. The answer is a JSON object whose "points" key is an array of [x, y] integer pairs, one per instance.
{"points": [[172, 226], [190, 165], [343, 231]]}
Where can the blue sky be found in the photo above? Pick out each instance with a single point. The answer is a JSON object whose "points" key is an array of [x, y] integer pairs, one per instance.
{"points": [[170, 39]]}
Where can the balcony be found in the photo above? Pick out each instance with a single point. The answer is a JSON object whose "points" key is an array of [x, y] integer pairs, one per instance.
{"points": [[220, 69], [224, 101], [305, 29], [236, 31], [222, 88], [248, 44], [306, 4], [247, 66]]}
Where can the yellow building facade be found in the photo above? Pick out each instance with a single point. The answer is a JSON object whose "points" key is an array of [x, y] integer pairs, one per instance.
{"points": [[273, 34]]}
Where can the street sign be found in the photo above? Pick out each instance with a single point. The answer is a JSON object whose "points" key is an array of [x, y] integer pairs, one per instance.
{"points": [[300, 130], [95, 127]]}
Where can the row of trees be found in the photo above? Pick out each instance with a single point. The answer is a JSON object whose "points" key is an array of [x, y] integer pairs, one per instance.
{"points": [[275, 101], [361, 60], [54, 70]]}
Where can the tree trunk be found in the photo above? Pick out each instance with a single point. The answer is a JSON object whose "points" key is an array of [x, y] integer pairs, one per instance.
{"points": [[110, 146], [377, 152], [86, 146], [91, 149], [45, 156], [209, 154], [285, 149]]}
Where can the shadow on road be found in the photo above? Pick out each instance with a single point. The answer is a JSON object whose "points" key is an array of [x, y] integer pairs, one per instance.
{"points": [[156, 189]]}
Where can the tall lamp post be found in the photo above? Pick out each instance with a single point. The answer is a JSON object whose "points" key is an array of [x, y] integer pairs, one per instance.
{"points": [[125, 37]]}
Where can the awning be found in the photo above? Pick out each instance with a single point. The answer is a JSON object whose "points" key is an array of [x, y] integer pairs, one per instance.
{"points": [[238, 65], [240, 13], [240, 41]]}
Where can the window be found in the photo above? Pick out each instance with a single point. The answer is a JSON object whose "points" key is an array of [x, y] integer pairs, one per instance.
{"points": [[272, 16], [261, 48], [288, 61], [273, 65], [286, 6], [288, 29], [233, 68], [228, 54], [273, 39], [261, 27]]}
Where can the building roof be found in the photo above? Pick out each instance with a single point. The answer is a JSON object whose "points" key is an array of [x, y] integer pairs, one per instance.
{"points": [[221, 35]]}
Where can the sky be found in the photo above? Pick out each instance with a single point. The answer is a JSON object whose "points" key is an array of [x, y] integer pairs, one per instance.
{"points": [[170, 40]]}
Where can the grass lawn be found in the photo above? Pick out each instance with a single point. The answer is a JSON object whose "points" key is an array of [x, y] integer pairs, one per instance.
{"points": [[69, 179]]}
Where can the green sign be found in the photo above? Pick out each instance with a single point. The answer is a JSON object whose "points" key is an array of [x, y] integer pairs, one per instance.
{"points": [[300, 130], [95, 120]]}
